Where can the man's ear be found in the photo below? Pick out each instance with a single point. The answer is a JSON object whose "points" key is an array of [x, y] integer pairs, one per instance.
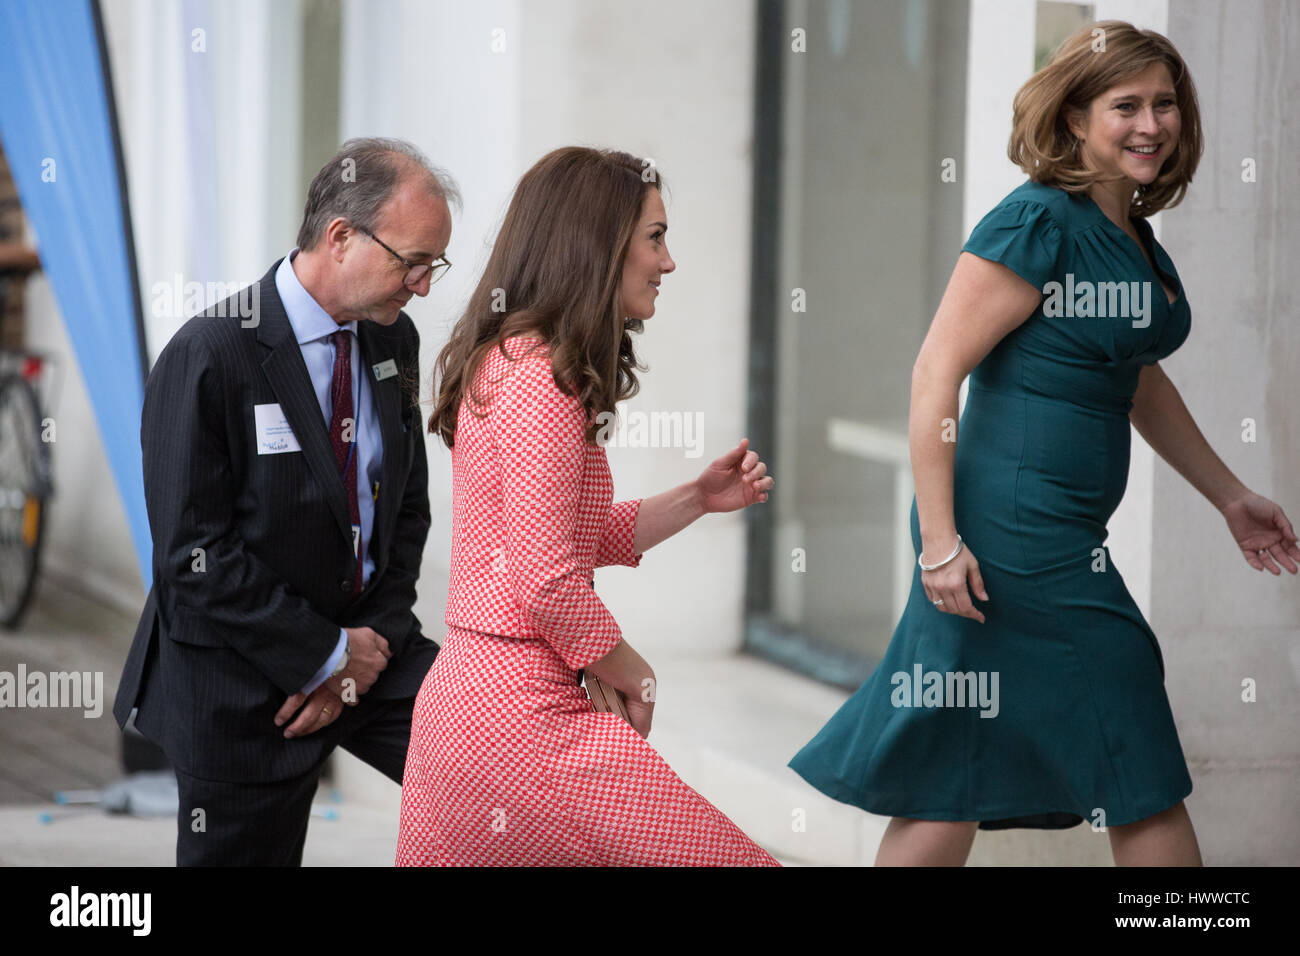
{"points": [[337, 236]]}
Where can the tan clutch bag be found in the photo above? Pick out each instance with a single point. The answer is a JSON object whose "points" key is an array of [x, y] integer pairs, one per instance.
{"points": [[604, 698]]}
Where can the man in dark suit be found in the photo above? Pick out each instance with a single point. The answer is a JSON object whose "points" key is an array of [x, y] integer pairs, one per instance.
{"points": [[285, 477]]}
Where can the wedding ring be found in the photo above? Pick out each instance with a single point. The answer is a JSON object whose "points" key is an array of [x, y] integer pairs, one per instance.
{"points": [[938, 602], [326, 711]]}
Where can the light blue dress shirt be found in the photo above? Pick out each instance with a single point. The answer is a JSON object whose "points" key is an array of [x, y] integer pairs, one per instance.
{"points": [[312, 327]]}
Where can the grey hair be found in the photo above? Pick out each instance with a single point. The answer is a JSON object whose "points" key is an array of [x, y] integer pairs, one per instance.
{"points": [[360, 178]]}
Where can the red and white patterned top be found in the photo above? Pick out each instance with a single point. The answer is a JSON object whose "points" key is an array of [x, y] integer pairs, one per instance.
{"points": [[532, 514], [509, 763]]}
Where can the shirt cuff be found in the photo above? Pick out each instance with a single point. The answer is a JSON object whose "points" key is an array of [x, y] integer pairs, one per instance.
{"points": [[328, 668], [615, 547]]}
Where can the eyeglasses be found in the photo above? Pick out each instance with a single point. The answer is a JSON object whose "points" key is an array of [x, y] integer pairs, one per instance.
{"points": [[415, 271]]}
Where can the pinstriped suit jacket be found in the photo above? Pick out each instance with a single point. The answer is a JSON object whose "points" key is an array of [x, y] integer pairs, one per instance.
{"points": [[230, 631]]}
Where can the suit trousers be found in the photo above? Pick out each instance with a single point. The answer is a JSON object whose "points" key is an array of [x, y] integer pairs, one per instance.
{"points": [[265, 823]]}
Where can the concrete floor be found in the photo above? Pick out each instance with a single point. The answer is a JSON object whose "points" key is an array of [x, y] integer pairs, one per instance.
{"points": [[48, 750], [51, 750]]}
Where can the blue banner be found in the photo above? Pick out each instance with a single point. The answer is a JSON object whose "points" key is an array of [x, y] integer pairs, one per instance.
{"points": [[58, 124]]}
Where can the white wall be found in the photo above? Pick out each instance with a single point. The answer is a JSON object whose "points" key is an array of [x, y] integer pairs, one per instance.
{"points": [[1220, 622], [674, 84]]}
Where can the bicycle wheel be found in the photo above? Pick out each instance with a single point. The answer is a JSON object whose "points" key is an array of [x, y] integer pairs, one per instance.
{"points": [[24, 490]]}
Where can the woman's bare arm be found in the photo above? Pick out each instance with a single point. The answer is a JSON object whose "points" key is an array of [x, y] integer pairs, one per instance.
{"points": [[984, 301], [661, 517], [1164, 422], [625, 669]]}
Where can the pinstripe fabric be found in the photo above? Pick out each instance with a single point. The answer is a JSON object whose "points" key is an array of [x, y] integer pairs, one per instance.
{"points": [[252, 562], [265, 824]]}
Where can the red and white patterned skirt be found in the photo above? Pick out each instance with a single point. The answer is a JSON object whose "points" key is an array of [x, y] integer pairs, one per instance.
{"points": [[511, 765]]}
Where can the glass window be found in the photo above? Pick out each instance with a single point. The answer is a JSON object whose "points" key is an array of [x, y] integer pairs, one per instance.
{"points": [[859, 146]]}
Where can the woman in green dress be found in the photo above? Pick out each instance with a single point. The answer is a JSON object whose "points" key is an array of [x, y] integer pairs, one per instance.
{"points": [[1025, 688]]}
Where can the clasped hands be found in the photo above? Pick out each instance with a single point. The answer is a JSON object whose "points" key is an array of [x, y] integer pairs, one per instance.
{"points": [[368, 655]]}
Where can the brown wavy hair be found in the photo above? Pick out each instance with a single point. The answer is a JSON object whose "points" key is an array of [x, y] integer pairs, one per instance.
{"points": [[554, 273], [1041, 141]]}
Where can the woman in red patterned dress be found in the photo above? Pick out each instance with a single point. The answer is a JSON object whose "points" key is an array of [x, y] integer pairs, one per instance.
{"points": [[509, 762]]}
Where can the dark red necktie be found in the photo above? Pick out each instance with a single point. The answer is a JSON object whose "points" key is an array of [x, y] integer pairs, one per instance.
{"points": [[345, 451]]}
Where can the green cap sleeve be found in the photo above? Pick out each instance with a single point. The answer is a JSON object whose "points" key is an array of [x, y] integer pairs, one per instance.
{"points": [[1023, 236]]}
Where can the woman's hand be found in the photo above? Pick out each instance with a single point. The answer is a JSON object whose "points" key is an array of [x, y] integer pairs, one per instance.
{"points": [[641, 708], [948, 584], [624, 672], [736, 480], [1262, 532]]}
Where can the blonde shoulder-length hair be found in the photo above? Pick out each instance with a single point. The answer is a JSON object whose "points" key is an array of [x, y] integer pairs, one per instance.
{"points": [[1089, 62]]}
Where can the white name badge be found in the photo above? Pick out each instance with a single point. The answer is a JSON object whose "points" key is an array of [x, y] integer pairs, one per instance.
{"points": [[385, 369], [274, 436]]}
